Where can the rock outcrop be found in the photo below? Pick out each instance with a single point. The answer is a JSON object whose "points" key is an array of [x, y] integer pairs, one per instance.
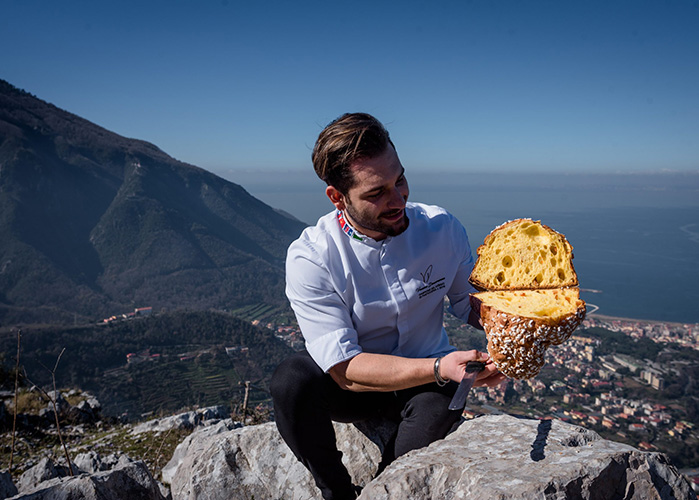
{"points": [[217, 463], [254, 462], [94, 477], [87, 410], [43, 471], [131, 480], [501, 457], [7, 487], [509, 458], [92, 462], [192, 446], [187, 420], [92, 466]]}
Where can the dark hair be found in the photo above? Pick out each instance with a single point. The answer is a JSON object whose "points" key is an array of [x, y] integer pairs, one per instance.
{"points": [[351, 137]]}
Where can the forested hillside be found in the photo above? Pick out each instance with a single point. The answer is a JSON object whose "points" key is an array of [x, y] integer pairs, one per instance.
{"points": [[174, 360]]}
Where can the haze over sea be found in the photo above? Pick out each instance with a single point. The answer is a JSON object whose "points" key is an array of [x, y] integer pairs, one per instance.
{"points": [[636, 236]]}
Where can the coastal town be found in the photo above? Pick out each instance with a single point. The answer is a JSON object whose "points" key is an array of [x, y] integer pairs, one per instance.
{"points": [[594, 384], [682, 334]]}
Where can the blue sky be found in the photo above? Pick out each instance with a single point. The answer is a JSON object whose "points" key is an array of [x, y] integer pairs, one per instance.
{"points": [[473, 86]]}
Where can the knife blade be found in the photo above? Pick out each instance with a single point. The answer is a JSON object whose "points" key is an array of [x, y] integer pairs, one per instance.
{"points": [[458, 402]]}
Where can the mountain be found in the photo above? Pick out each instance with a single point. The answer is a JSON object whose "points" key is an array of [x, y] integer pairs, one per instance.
{"points": [[93, 223]]}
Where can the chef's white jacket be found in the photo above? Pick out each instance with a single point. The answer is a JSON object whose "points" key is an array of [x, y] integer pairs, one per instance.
{"points": [[352, 294]]}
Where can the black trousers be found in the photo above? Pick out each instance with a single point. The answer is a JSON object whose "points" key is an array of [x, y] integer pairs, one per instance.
{"points": [[307, 401]]}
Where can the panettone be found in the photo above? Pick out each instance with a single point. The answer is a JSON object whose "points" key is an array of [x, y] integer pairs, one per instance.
{"points": [[531, 299]]}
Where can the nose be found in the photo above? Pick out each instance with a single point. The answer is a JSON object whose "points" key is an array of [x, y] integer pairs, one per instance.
{"points": [[399, 196]]}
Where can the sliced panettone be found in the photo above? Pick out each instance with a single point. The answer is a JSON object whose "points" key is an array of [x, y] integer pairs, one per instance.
{"points": [[532, 299], [522, 324], [524, 254]]}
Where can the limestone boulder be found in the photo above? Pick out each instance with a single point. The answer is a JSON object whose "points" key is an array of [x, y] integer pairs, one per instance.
{"points": [[131, 481], [43, 471], [193, 445], [188, 420], [7, 487], [254, 462], [505, 457], [92, 462]]}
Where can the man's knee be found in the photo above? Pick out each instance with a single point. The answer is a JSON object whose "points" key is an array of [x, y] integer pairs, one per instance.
{"points": [[296, 375], [430, 401], [430, 411]]}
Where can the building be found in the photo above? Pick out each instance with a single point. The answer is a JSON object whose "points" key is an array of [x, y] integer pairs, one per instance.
{"points": [[654, 378]]}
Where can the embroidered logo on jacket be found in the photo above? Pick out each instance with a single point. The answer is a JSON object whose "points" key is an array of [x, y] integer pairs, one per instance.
{"points": [[426, 275], [430, 286]]}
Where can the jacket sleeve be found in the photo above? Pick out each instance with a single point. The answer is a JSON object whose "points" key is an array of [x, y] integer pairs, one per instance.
{"points": [[461, 289], [322, 314]]}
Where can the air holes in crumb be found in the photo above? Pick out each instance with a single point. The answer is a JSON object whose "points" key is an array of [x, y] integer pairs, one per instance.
{"points": [[500, 277], [553, 249], [532, 231], [561, 273], [507, 261], [539, 278], [553, 261]]}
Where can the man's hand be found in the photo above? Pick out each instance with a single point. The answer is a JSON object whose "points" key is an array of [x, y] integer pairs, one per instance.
{"points": [[453, 367]]}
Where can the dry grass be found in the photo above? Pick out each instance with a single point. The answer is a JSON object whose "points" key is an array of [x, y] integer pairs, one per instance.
{"points": [[29, 402]]}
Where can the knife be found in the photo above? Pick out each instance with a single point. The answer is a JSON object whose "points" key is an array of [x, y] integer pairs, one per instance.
{"points": [[458, 402]]}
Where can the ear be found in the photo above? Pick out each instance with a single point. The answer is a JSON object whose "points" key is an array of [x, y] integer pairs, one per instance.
{"points": [[336, 197]]}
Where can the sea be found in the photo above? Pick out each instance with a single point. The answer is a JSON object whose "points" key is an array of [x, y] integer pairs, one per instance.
{"points": [[635, 236]]}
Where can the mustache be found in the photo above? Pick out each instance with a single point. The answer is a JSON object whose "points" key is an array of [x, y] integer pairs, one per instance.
{"points": [[392, 213]]}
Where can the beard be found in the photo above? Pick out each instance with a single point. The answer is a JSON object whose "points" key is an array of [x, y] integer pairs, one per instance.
{"points": [[365, 221]]}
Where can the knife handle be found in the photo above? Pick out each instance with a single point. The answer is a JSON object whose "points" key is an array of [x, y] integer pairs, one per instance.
{"points": [[475, 366]]}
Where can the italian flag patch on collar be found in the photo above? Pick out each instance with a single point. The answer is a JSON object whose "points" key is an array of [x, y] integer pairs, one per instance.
{"points": [[347, 228]]}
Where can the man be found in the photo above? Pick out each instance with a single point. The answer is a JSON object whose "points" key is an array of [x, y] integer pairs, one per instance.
{"points": [[367, 284]]}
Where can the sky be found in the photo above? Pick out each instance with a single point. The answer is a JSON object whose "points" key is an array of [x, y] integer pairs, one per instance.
{"points": [[462, 86]]}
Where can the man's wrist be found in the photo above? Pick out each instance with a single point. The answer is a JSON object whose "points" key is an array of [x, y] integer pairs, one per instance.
{"points": [[441, 382]]}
